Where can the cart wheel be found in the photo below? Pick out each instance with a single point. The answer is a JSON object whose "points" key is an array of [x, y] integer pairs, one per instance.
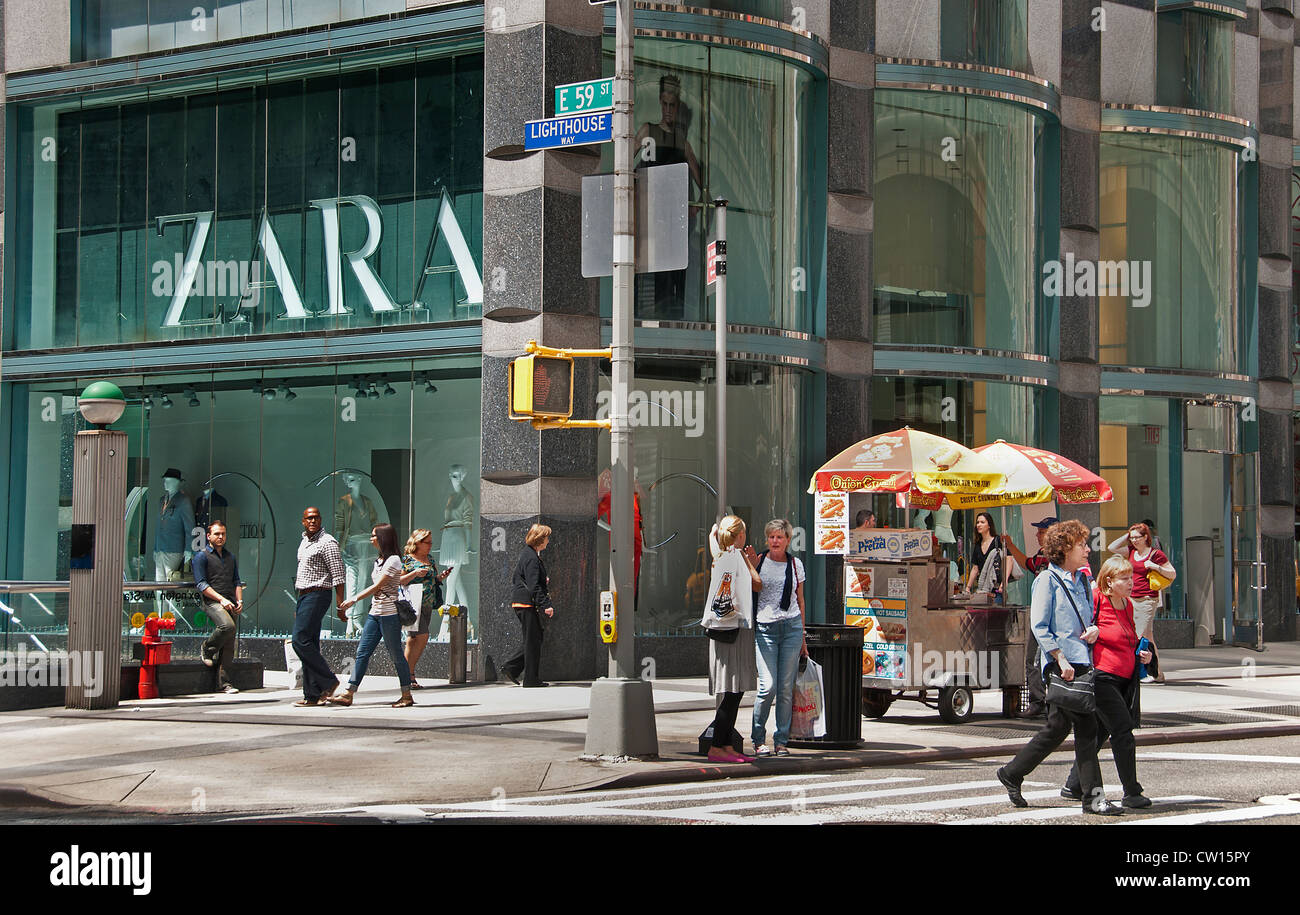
{"points": [[1011, 702], [956, 704], [875, 702]]}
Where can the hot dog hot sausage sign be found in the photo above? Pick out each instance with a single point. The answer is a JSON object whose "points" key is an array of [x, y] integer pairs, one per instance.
{"points": [[831, 531]]}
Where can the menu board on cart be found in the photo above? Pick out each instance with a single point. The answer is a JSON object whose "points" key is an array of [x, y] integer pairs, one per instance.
{"points": [[875, 599], [831, 533]]}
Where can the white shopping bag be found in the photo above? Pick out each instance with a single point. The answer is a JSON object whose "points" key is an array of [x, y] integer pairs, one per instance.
{"points": [[292, 663], [809, 720], [415, 596]]}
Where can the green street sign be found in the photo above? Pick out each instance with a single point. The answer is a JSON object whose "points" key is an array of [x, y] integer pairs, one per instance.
{"points": [[593, 95]]}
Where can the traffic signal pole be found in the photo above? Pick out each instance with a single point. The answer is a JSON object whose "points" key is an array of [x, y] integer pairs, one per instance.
{"points": [[621, 720]]}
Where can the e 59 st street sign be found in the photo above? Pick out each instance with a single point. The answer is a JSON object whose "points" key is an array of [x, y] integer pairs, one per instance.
{"points": [[593, 95]]}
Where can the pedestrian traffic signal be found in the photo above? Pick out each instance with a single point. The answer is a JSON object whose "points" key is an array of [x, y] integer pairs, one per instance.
{"points": [[541, 387]]}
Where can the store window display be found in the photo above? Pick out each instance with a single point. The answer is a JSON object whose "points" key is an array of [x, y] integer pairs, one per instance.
{"points": [[172, 547], [457, 533], [354, 518]]}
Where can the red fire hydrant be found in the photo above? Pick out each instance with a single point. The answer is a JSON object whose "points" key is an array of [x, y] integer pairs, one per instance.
{"points": [[156, 652]]}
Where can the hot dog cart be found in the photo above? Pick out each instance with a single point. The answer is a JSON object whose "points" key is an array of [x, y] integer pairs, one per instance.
{"points": [[919, 643]]}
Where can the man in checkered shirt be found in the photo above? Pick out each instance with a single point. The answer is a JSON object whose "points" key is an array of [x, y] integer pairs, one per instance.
{"points": [[320, 568]]}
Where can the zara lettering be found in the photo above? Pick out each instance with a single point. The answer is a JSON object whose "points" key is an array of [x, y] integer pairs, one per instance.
{"points": [[377, 296]]}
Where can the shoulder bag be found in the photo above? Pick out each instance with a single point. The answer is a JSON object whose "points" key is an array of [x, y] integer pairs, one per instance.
{"points": [[1077, 695]]}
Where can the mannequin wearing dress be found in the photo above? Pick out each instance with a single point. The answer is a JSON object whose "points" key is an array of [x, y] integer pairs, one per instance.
{"points": [[457, 529]]}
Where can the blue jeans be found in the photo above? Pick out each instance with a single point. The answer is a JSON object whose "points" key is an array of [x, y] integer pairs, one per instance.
{"points": [[388, 627], [778, 646]]}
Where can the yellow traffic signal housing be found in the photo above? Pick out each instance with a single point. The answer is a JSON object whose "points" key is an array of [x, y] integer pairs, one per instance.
{"points": [[541, 387]]}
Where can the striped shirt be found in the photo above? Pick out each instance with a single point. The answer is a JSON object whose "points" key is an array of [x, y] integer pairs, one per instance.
{"points": [[320, 564]]}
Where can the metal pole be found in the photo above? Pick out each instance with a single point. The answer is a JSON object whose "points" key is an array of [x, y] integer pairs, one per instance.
{"points": [[720, 348], [621, 720], [622, 662]]}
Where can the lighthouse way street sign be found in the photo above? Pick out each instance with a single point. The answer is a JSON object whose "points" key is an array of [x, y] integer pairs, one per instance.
{"points": [[574, 130]]}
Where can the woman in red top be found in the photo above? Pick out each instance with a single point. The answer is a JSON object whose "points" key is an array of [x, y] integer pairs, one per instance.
{"points": [[1115, 657], [1136, 545]]}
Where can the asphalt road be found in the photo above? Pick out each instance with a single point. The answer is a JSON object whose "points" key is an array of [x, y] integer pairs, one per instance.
{"points": [[1244, 781]]}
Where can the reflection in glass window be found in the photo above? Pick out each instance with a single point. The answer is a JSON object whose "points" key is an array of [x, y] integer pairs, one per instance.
{"points": [[344, 199], [116, 28], [673, 410], [740, 121], [1194, 60], [367, 443], [958, 221], [990, 32], [1169, 210]]}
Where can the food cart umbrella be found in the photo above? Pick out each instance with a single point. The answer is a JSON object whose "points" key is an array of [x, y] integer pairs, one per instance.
{"points": [[903, 460], [1032, 475]]}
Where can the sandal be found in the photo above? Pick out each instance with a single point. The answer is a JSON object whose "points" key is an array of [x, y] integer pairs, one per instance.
{"points": [[405, 702], [343, 698], [305, 703], [415, 685]]}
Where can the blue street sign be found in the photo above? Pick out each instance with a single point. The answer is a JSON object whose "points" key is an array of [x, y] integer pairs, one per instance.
{"points": [[574, 130]]}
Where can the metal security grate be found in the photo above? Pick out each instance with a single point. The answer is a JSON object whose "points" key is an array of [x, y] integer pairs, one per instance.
{"points": [[1173, 719], [1292, 711], [1011, 730]]}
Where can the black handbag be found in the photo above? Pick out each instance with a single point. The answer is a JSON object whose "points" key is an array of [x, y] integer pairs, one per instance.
{"points": [[1077, 695], [405, 612]]}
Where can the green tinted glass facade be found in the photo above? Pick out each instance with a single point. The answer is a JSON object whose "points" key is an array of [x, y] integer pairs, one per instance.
{"points": [[254, 204], [751, 129], [958, 190], [1194, 61], [1169, 212], [990, 32], [116, 28]]}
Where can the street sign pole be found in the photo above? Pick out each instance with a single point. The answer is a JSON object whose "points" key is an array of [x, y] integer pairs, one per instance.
{"points": [[720, 348], [621, 720]]}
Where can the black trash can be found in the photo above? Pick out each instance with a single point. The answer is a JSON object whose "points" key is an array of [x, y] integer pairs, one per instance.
{"points": [[838, 649]]}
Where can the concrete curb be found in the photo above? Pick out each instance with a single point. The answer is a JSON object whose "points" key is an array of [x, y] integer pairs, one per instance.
{"points": [[869, 759]]}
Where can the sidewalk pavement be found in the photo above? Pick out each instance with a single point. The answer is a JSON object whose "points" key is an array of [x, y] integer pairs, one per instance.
{"points": [[255, 752]]}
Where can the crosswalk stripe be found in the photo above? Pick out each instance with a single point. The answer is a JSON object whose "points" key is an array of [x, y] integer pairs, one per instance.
{"points": [[1226, 816], [1223, 757], [1052, 813], [824, 799]]}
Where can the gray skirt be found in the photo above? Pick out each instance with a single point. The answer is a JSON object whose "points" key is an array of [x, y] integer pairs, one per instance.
{"points": [[733, 668]]}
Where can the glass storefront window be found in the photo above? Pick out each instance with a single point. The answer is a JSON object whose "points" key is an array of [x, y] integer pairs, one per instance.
{"points": [[990, 32], [770, 458], [348, 198], [396, 441], [1169, 231], [973, 413], [750, 128], [1194, 60], [958, 185], [1295, 274], [115, 28]]}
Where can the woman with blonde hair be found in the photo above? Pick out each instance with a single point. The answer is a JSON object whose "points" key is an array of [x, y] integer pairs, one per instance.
{"points": [[418, 566], [1115, 655], [729, 622], [530, 599]]}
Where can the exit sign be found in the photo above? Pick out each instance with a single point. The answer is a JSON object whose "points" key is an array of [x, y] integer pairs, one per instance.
{"points": [[593, 95]]}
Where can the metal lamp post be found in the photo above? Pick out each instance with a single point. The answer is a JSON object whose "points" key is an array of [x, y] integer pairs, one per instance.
{"points": [[99, 537]]}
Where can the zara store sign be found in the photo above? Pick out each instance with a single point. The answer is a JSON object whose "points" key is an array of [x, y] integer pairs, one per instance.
{"points": [[187, 278]]}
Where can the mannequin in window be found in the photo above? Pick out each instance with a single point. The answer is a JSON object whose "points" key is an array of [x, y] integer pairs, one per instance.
{"points": [[210, 507], [457, 531], [668, 146], [354, 518], [171, 540]]}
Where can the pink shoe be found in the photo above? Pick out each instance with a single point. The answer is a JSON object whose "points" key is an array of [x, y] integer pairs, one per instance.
{"points": [[728, 756]]}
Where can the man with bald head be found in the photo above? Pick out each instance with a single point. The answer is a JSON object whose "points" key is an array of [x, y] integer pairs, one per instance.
{"points": [[320, 569]]}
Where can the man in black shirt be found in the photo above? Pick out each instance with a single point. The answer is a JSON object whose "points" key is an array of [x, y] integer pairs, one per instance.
{"points": [[216, 573]]}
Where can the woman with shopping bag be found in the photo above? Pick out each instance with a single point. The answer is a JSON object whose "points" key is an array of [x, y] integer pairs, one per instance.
{"points": [[729, 623], [778, 635], [418, 567]]}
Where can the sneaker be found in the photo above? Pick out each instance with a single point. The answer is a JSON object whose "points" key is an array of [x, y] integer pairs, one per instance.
{"points": [[205, 657], [781, 751], [1013, 790], [1149, 679], [1136, 801], [1071, 794], [229, 688], [509, 676], [763, 750]]}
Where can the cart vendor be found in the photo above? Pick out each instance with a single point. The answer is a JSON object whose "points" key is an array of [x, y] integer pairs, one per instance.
{"points": [[986, 562]]}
